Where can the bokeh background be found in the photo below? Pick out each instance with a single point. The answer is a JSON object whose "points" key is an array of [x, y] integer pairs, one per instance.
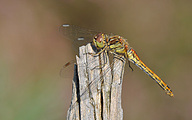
{"points": [[32, 52]]}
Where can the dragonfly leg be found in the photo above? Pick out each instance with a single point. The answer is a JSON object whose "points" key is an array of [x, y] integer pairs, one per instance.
{"points": [[118, 56], [130, 65], [122, 59], [105, 61], [93, 54]]}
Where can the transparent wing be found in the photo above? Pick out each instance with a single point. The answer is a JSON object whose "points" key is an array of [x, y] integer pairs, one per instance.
{"points": [[78, 35]]}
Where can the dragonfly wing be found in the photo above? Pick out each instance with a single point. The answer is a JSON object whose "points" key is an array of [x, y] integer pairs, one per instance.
{"points": [[77, 34], [133, 57]]}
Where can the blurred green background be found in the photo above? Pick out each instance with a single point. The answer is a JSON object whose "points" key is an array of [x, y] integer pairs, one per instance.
{"points": [[32, 52]]}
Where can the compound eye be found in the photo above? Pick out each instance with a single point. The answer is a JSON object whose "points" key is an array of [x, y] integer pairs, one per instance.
{"points": [[99, 37]]}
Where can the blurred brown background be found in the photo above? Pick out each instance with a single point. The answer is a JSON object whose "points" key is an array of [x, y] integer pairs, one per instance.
{"points": [[32, 52]]}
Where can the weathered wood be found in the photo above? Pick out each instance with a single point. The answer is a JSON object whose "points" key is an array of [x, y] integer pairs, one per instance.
{"points": [[97, 86]]}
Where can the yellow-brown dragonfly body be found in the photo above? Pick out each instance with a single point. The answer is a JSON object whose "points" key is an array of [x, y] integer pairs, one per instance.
{"points": [[118, 45], [114, 44]]}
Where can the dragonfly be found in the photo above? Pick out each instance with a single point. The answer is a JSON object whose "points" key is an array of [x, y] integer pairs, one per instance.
{"points": [[114, 44]]}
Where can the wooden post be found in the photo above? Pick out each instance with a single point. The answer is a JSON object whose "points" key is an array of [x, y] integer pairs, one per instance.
{"points": [[97, 86]]}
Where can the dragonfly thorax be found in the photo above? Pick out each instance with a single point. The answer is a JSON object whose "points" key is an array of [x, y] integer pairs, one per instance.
{"points": [[118, 44]]}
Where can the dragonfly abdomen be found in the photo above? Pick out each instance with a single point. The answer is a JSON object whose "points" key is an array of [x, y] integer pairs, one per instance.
{"points": [[133, 57]]}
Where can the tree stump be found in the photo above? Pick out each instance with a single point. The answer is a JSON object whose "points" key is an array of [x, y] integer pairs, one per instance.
{"points": [[97, 86]]}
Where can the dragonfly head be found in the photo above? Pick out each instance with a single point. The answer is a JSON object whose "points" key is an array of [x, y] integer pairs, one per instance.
{"points": [[99, 40]]}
